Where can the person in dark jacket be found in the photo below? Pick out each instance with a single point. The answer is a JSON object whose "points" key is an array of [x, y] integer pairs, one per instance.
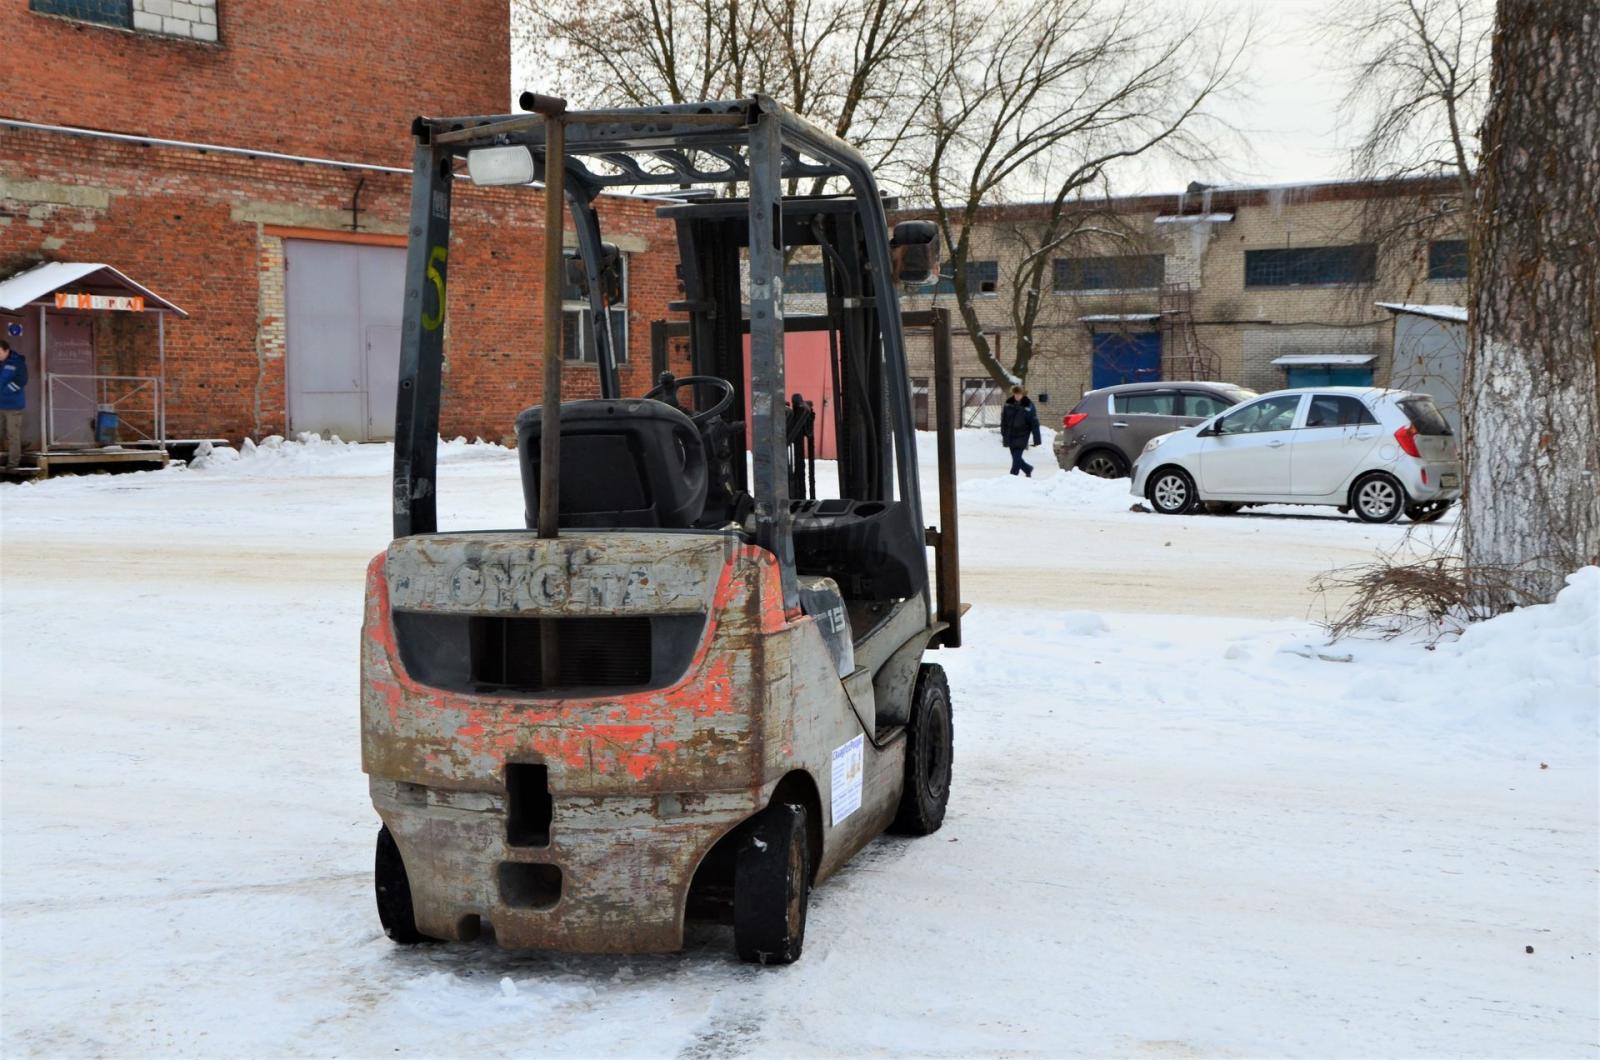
{"points": [[1019, 422], [13, 399]]}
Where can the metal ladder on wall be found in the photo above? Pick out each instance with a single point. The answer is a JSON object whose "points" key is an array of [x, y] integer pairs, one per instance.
{"points": [[1186, 357]]}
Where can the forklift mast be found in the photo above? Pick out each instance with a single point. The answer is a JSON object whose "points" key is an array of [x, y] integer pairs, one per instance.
{"points": [[753, 142]]}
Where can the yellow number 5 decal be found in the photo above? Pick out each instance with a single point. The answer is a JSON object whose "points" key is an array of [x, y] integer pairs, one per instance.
{"points": [[436, 258]]}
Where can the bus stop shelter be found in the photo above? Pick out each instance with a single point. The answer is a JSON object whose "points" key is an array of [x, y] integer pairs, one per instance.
{"points": [[97, 375]]}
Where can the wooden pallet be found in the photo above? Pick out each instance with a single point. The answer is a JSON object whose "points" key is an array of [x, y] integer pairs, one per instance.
{"points": [[82, 460]]}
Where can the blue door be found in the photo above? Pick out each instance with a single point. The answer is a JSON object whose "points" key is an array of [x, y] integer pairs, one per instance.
{"points": [[1328, 375], [1122, 358]]}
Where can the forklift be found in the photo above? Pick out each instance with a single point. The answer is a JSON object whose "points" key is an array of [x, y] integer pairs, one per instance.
{"points": [[693, 685]]}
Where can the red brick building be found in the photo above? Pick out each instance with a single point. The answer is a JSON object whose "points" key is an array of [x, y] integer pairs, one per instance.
{"points": [[248, 160]]}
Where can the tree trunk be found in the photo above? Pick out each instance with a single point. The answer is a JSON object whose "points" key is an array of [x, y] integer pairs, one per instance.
{"points": [[1532, 401]]}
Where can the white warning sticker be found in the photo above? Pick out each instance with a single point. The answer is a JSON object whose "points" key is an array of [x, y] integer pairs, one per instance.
{"points": [[847, 770]]}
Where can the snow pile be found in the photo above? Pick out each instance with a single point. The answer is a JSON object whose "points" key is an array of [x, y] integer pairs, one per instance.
{"points": [[1524, 684], [310, 454], [1070, 489]]}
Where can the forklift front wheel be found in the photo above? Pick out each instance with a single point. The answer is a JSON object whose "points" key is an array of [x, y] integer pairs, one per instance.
{"points": [[929, 755], [771, 883], [394, 893]]}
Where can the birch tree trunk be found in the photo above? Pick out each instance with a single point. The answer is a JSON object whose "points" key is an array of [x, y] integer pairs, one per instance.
{"points": [[1532, 408]]}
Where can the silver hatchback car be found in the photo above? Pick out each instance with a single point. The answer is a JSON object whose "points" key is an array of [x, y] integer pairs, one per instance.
{"points": [[1378, 452], [1105, 432]]}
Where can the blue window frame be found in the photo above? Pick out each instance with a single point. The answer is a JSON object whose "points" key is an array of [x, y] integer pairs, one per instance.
{"points": [[1309, 266], [983, 277], [1447, 259], [1119, 272], [804, 277], [118, 13]]}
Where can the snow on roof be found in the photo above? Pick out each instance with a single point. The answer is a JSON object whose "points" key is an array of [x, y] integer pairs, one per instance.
{"points": [[1325, 358], [46, 278], [1454, 313], [1193, 218], [1111, 318]]}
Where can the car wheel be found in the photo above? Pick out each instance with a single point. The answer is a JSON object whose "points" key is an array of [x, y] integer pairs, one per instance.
{"points": [[393, 891], [1170, 491], [1378, 498], [771, 885], [1103, 463], [930, 752], [1431, 512]]}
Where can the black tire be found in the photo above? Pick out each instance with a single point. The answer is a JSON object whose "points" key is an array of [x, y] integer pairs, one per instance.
{"points": [[1431, 512], [1222, 507], [1378, 498], [771, 886], [930, 755], [1175, 488], [1103, 463], [393, 891]]}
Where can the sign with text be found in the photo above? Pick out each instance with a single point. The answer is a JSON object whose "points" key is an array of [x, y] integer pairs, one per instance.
{"points": [[133, 303]]}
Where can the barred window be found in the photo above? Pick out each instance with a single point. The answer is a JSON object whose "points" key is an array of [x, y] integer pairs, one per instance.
{"points": [[1297, 266], [118, 13], [1447, 259], [1117, 272], [803, 277], [983, 277]]}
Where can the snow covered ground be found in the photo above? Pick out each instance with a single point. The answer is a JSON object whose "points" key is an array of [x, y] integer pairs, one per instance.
{"points": [[1181, 824]]}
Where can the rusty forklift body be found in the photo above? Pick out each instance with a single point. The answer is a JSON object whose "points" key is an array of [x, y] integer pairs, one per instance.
{"points": [[691, 684]]}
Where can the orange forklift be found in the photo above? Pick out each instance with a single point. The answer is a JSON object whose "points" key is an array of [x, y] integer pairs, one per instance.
{"points": [[694, 684]]}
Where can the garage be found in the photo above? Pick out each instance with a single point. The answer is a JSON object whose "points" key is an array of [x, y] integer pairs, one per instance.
{"points": [[343, 302]]}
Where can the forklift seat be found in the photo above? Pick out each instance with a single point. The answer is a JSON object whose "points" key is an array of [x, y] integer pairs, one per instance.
{"points": [[632, 463]]}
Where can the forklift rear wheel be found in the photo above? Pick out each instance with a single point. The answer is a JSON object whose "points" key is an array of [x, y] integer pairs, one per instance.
{"points": [[394, 893], [771, 883], [929, 755]]}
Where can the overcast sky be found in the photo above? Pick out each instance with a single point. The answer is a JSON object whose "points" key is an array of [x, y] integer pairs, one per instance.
{"points": [[1289, 112]]}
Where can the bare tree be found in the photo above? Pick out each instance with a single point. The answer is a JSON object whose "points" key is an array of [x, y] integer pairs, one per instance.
{"points": [[1418, 77], [1533, 376], [853, 66], [1044, 99]]}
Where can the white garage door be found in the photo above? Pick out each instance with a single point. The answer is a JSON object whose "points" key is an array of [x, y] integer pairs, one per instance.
{"points": [[343, 302]]}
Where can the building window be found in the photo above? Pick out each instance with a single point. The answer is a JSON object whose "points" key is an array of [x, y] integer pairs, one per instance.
{"points": [[185, 19], [1447, 259], [118, 13], [981, 402], [1121, 272], [1310, 266], [577, 345], [803, 277], [919, 401], [983, 278]]}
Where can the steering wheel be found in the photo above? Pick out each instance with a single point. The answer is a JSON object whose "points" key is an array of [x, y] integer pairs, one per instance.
{"points": [[670, 383]]}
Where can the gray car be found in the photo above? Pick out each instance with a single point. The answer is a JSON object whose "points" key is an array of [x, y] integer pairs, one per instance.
{"points": [[1107, 430]]}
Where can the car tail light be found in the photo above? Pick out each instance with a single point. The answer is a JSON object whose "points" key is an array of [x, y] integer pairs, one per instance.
{"points": [[1407, 437], [1072, 419], [1424, 476]]}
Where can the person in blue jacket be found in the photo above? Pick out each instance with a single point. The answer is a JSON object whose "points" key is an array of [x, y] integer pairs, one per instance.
{"points": [[13, 399], [1019, 423]]}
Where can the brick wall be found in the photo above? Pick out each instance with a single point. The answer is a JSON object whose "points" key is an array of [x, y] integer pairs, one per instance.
{"points": [[269, 74], [205, 231]]}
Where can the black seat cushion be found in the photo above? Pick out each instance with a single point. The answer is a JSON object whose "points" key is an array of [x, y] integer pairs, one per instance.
{"points": [[633, 463]]}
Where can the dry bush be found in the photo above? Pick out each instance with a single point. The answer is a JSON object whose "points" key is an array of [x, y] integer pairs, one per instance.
{"points": [[1401, 592]]}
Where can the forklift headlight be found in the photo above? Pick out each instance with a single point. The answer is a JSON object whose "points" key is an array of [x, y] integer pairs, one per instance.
{"points": [[489, 166]]}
